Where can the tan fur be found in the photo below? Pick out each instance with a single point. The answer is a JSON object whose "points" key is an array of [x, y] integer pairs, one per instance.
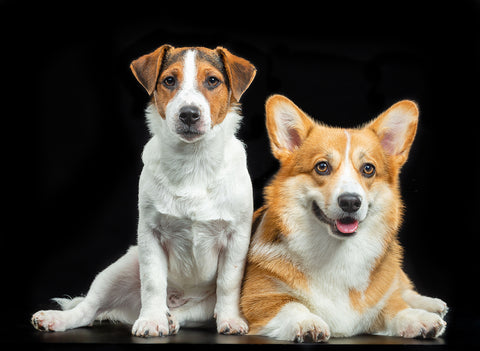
{"points": [[261, 287], [272, 278]]}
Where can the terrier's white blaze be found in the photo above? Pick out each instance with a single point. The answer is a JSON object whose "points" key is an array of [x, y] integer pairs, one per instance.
{"points": [[189, 95], [189, 72]]}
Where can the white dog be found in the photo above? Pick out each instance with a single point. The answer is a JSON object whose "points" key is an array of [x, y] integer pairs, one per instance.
{"points": [[195, 204]]}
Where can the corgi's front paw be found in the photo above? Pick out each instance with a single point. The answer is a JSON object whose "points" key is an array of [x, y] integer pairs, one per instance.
{"points": [[311, 330], [232, 326], [49, 321], [160, 326], [416, 323], [295, 322]]}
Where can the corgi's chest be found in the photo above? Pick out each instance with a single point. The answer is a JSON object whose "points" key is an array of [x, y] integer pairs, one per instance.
{"points": [[331, 301], [334, 271]]}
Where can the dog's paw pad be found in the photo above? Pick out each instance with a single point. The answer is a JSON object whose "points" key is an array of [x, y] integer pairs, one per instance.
{"points": [[232, 326], [151, 327], [48, 321], [173, 324], [312, 331], [413, 323]]}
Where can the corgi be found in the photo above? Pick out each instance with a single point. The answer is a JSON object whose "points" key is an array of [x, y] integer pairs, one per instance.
{"points": [[195, 204], [325, 259]]}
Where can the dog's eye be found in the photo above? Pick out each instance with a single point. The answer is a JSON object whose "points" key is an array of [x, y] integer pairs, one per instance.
{"points": [[213, 82], [368, 170], [322, 168], [169, 81]]}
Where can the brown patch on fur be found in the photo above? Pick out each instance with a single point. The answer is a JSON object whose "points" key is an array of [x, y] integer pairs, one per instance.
{"points": [[239, 71], [218, 96], [147, 68], [263, 290], [261, 297], [385, 272]]}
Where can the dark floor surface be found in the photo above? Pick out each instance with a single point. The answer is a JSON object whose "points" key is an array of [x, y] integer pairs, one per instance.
{"points": [[107, 336]]}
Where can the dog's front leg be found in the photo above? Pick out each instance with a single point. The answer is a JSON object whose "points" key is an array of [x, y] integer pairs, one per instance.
{"points": [[154, 319], [229, 280]]}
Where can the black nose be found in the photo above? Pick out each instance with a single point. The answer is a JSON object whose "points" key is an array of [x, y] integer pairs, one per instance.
{"points": [[189, 115], [349, 202]]}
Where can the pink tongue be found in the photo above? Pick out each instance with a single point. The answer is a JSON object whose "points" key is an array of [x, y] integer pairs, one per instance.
{"points": [[346, 228]]}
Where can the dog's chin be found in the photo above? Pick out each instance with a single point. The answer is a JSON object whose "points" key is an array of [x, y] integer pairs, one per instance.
{"points": [[342, 228], [190, 136]]}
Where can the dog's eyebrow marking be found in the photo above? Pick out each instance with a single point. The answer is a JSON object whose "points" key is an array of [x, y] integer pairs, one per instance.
{"points": [[215, 61]]}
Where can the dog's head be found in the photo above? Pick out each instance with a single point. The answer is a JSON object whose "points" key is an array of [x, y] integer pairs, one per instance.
{"points": [[340, 177], [193, 88]]}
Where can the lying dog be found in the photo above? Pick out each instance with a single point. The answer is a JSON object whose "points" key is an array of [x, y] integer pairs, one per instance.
{"points": [[195, 204], [324, 259]]}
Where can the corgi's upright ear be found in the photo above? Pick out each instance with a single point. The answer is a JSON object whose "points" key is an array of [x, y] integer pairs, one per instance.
{"points": [[396, 128], [287, 125]]}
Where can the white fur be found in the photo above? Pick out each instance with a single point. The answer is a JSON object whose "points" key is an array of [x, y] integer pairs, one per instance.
{"points": [[294, 322], [195, 210]]}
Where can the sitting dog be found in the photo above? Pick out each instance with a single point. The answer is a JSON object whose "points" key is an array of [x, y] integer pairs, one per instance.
{"points": [[195, 204], [325, 259]]}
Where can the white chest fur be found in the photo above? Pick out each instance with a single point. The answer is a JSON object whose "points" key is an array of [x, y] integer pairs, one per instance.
{"points": [[192, 247], [334, 268]]}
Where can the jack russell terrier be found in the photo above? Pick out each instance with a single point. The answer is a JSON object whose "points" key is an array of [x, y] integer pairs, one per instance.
{"points": [[195, 204]]}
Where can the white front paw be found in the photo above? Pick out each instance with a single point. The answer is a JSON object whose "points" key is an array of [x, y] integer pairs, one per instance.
{"points": [[416, 323], [310, 330], [294, 322], [160, 326], [232, 326]]}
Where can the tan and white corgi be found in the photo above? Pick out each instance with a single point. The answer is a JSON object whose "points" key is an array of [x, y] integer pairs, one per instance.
{"points": [[325, 259]]}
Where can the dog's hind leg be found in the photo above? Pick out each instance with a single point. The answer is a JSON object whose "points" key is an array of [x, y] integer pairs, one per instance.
{"points": [[113, 294], [415, 300], [430, 304]]}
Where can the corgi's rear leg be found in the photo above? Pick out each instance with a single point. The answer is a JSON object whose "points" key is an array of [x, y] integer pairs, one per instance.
{"points": [[415, 300], [430, 304], [114, 293]]}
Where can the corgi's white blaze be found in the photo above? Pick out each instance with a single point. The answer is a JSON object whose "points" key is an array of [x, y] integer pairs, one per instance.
{"points": [[347, 183]]}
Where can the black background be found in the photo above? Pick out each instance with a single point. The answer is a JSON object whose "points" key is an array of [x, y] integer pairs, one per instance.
{"points": [[80, 113]]}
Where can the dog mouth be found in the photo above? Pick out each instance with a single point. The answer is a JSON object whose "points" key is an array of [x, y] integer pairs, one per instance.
{"points": [[188, 133], [344, 227]]}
